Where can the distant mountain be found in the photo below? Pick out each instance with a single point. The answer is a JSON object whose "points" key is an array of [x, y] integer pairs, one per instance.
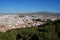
{"points": [[36, 13], [45, 13]]}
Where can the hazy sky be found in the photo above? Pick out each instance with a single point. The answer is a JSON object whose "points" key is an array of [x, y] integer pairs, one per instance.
{"points": [[18, 6]]}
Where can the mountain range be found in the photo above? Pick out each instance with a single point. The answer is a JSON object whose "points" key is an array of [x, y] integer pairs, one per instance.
{"points": [[36, 13]]}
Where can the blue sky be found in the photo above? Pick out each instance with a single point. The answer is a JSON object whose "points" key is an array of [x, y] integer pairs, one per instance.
{"points": [[23, 6]]}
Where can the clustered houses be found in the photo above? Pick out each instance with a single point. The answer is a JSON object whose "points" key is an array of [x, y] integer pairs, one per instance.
{"points": [[15, 21]]}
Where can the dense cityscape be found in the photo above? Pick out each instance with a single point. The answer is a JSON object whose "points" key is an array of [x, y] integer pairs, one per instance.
{"points": [[9, 21]]}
